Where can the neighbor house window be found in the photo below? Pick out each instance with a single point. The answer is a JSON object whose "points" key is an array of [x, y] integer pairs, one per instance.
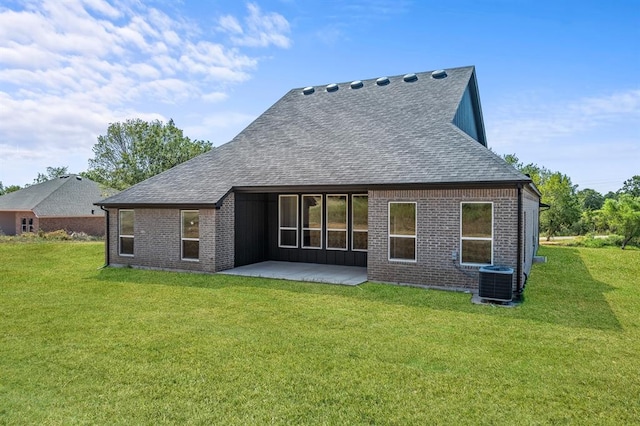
{"points": [[359, 222], [402, 231], [312, 221], [27, 224], [288, 221], [337, 222], [476, 233], [190, 234], [126, 232]]}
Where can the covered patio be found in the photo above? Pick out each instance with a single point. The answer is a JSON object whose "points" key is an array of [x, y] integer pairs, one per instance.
{"points": [[298, 271]]}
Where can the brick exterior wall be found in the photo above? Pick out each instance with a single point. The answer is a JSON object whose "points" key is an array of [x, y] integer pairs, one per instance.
{"points": [[7, 223], [157, 240], [438, 235], [530, 220], [28, 215], [225, 235], [92, 225]]}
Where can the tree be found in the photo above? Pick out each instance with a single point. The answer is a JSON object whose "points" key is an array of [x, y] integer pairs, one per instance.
{"points": [[623, 216], [537, 174], [8, 189], [557, 191], [560, 194], [631, 186], [52, 173], [590, 199], [136, 150], [611, 195]]}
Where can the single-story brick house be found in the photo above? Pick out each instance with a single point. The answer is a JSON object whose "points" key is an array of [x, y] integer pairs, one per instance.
{"points": [[392, 173], [64, 203]]}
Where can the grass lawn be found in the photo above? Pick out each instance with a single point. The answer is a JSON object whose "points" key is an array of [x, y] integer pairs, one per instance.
{"points": [[80, 345]]}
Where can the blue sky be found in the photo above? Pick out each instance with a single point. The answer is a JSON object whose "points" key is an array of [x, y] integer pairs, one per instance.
{"points": [[559, 80]]}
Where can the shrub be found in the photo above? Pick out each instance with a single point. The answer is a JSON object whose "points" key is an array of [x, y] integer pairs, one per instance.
{"points": [[592, 241], [59, 235]]}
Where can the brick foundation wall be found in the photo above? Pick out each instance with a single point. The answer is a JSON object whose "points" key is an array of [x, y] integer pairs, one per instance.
{"points": [[438, 234]]}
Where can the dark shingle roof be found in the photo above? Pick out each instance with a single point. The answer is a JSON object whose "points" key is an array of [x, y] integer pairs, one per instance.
{"points": [[399, 133], [65, 196]]}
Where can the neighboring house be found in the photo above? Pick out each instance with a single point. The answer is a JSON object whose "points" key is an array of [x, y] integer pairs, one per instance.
{"points": [[392, 173], [64, 203]]}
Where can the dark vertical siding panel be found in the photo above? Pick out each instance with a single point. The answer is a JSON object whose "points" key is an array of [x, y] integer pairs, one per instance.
{"points": [[465, 117], [251, 235]]}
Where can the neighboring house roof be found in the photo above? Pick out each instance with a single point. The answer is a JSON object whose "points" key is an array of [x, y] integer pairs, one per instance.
{"points": [[66, 196], [405, 132]]}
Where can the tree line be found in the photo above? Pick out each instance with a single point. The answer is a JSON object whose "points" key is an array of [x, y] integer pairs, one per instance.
{"points": [[578, 212]]}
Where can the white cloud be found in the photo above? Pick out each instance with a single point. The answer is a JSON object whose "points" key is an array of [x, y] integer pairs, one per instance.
{"points": [[261, 29], [219, 127], [594, 140], [529, 121], [69, 68]]}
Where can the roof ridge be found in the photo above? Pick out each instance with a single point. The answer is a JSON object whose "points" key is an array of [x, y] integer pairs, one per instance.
{"points": [[396, 76]]}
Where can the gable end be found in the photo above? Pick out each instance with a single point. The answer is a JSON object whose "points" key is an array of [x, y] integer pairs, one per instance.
{"points": [[468, 116]]}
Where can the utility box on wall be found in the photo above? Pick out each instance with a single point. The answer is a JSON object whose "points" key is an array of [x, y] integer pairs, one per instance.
{"points": [[496, 283]]}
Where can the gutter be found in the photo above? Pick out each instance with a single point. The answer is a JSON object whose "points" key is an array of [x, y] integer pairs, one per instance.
{"points": [[106, 239], [519, 264]]}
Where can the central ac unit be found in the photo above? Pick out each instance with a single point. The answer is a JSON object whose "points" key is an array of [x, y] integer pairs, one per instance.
{"points": [[496, 283]]}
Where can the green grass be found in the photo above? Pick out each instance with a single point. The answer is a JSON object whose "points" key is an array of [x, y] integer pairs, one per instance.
{"points": [[83, 345]]}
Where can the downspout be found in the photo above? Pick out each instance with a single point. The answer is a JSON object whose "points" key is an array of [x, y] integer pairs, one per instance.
{"points": [[519, 265], [106, 239]]}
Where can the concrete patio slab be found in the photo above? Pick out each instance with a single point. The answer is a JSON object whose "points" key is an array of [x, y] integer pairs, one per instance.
{"points": [[295, 271]]}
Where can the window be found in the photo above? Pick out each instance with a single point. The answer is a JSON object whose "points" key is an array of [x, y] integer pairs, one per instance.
{"points": [[359, 222], [190, 234], [312, 221], [288, 221], [402, 231], [476, 233], [27, 224], [337, 222], [126, 232]]}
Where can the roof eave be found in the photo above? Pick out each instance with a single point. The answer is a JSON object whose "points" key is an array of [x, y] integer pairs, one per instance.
{"points": [[157, 205]]}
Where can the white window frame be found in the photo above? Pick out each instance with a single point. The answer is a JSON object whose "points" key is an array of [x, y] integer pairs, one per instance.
{"points": [[353, 230], [311, 229], [287, 228], [390, 235], [346, 222], [183, 238], [121, 235], [477, 238]]}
